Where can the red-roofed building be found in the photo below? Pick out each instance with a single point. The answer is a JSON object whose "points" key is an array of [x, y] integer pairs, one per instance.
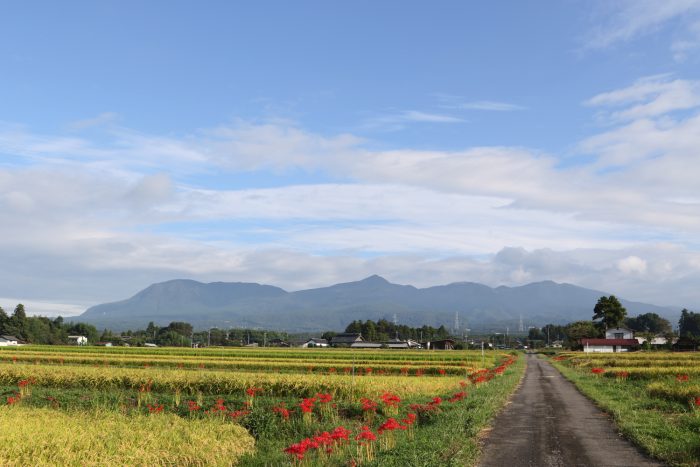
{"points": [[616, 340]]}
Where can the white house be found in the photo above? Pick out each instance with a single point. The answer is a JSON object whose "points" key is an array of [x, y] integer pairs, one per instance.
{"points": [[77, 340], [656, 340], [6, 341], [315, 342], [616, 340]]}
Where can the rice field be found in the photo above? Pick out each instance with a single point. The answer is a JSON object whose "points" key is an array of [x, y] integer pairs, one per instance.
{"points": [[653, 396], [243, 406]]}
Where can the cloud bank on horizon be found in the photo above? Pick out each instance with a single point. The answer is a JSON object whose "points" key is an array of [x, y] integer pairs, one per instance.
{"points": [[426, 157]]}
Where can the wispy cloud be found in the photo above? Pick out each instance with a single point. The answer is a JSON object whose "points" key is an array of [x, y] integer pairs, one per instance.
{"points": [[400, 120], [628, 20], [104, 118], [649, 97], [490, 105]]}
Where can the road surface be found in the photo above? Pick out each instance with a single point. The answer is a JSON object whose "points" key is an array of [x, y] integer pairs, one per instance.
{"points": [[550, 424]]}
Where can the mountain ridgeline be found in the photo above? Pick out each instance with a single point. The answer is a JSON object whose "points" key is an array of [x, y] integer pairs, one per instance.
{"points": [[222, 304]]}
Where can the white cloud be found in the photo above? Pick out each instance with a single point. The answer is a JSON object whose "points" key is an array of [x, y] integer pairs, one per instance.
{"points": [[632, 265], [626, 20], [400, 120], [650, 97], [490, 105]]}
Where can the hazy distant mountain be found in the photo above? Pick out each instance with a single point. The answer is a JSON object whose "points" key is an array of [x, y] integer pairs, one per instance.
{"points": [[254, 305]]}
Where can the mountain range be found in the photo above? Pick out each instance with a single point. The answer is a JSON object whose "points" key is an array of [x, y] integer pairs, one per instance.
{"points": [[238, 304]]}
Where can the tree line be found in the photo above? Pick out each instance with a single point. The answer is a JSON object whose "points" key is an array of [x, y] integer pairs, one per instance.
{"points": [[40, 329], [384, 330]]}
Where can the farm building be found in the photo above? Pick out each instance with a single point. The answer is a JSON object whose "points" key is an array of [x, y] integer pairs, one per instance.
{"points": [[366, 345], [443, 344], [315, 342], [77, 340], [657, 341], [616, 340], [8, 340], [346, 339]]}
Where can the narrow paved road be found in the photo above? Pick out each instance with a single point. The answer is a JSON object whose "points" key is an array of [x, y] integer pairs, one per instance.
{"points": [[550, 424]]}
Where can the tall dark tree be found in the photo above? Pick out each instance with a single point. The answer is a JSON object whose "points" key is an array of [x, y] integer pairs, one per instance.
{"points": [[609, 311], [689, 325], [17, 323], [4, 321]]}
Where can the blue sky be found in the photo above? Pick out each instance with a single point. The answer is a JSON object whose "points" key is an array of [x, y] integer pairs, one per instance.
{"points": [[307, 143]]}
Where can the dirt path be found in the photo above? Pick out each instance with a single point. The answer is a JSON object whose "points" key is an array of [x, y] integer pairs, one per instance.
{"points": [[549, 423]]}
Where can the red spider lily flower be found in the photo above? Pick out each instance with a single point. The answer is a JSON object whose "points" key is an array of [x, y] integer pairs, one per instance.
{"points": [[365, 435], [282, 410], [252, 392], [219, 406], [391, 400], [307, 405], [419, 372], [436, 401], [13, 400], [368, 371], [297, 450], [24, 383], [404, 371], [155, 408], [697, 401], [236, 414], [340, 434], [368, 405], [324, 439], [597, 371], [332, 371], [324, 398], [347, 370], [410, 419], [192, 406], [458, 396], [441, 371], [682, 378], [622, 374], [390, 425]]}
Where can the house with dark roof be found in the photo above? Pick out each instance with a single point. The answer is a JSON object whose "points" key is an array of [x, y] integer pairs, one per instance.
{"points": [[616, 340], [346, 339], [442, 344], [9, 340], [315, 342]]}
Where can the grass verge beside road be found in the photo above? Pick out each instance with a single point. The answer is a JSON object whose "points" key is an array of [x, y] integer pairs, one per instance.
{"points": [[666, 429]]}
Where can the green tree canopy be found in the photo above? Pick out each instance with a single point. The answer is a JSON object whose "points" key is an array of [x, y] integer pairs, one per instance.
{"points": [[609, 311], [689, 324], [649, 323]]}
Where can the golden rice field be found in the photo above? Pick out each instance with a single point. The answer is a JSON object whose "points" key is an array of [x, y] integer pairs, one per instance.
{"points": [[46, 437], [135, 406]]}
